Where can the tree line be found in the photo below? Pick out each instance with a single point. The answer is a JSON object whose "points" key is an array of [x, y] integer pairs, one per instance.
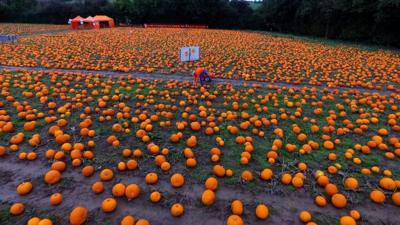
{"points": [[369, 21]]}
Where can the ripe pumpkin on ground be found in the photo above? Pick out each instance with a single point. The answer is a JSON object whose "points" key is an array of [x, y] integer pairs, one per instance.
{"points": [[132, 191], [211, 183], [305, 216], [24, 188], [56, 199], [347, 220], [237, 207], [262, 212], [177, 210], [234, 220], [155, 196], [177, 180], [52, 177], [208, 197], [78, 216], [109, 205], [339, 200], [17, 209], [128, 220]]}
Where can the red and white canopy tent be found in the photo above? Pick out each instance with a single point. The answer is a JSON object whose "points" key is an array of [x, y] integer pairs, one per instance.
{"points": [[75, 22], [97, 22]]}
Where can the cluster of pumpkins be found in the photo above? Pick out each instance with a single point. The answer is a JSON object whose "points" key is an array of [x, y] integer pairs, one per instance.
{"points": [[136, 108], [229, 54]]}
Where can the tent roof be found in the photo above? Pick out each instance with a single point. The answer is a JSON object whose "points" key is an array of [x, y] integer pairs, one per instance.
{"points": [[102, 18], [78, 18], [89, 19]]}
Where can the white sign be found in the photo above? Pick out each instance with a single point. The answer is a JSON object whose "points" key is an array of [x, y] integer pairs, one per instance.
{"points": [[194, 53], [190, 53], [185, 54]]}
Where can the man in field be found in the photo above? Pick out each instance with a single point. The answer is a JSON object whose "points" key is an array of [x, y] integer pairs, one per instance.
{"points": [[201, 74]]}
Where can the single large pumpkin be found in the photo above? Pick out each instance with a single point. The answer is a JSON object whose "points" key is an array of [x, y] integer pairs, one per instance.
{"points": [[52, 177], [17, 209], [24, 188], [208, 197], [78, 216], [211, 183], [262, 212], [132, 191], [177, 209], [151, 178], [56, 199], [128, 220], [237, 207], [234, 220], [177, 180], [109, 205], [339, 200]]}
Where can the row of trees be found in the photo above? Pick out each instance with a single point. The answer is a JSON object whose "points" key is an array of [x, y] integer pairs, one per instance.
{"points": [[373, 21]]}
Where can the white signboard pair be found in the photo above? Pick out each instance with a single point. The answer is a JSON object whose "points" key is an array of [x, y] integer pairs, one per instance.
{"points": [[190, 53]]}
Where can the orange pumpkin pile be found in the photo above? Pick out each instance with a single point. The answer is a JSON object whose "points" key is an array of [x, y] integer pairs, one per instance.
{"points": [[178, 149]]}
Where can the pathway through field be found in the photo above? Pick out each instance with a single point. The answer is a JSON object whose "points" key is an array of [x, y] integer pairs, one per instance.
{"points": [[188, 78]]}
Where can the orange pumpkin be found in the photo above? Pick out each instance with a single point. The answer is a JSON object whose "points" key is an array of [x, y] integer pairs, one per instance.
{"points": [[208, 197], [305, 216], [17, 209], [118, 190], [151, 178], [78, 216], [377, 196], [106, 174], [142, 222], [33, 221], [109, 205], [155, 196], [24, 188], [266, 174], [339, 200], [234, 220], [262, 212], [177, 180], [237, 207], [211, 184], [98, 187], [177, 210], [128, 220], [52, 177], [56, 199], [351, 183], [132, 191], [347, 220], [396, 198]]}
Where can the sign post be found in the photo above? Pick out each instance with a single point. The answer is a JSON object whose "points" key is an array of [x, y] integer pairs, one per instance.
{"points": [[191, 53]]}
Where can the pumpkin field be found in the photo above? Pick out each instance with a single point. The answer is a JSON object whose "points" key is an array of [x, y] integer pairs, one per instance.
{"points": [[29, 29], [94, 130]]}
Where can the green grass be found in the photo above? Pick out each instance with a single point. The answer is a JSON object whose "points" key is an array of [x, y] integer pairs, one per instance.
{"points": [[109, 156]]}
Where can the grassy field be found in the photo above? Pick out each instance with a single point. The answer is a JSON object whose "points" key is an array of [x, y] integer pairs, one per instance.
{"points": [[110, 144], [230, 54], [29, 29]]}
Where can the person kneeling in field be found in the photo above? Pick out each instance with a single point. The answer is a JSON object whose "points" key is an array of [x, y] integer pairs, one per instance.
{"points": [[201, 74]]}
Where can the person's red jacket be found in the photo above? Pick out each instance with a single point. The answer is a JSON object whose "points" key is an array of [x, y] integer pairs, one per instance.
{"points": [[197, 73]]}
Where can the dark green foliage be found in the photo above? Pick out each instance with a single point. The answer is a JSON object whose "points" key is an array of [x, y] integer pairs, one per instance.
{"points": [[370, 21]]}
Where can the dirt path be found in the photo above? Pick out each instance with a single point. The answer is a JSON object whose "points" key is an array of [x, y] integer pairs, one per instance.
{"points": [[188, 78], [51, 32]]}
